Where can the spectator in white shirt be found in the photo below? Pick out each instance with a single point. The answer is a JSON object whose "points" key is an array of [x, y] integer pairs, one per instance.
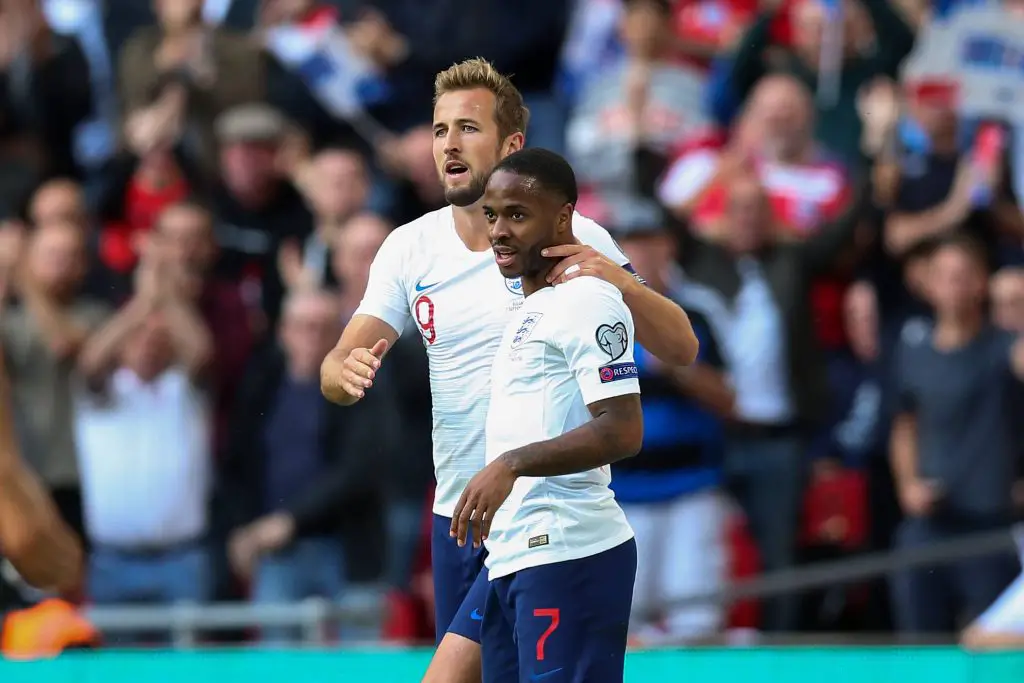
{"points": [[143, 428]]}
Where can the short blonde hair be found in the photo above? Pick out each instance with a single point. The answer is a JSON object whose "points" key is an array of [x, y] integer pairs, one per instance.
{"points": [[510, 113]]}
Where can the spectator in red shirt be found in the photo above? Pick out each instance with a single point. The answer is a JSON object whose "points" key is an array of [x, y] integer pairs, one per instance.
{"points": [[805, 188]]}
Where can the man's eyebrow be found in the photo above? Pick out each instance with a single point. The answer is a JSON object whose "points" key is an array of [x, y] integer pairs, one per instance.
{"points": [[458, 122]]}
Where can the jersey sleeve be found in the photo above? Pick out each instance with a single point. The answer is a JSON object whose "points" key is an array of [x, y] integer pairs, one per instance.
{"points": [[596, 337], [589, 232], [386, 290]]}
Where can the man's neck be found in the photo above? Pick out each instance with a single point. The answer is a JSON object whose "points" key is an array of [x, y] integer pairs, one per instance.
{"points": [[957, 330], [945, 144], [256, 200], [471, 227], [535, 283]]}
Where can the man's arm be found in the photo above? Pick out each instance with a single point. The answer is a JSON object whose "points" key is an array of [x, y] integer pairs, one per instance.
{"points": [[903, 449], [349, 369], [99, 355], [905, 230], [662, 327], [190, 338], [33, 536], [595, 336], [615, 433]]}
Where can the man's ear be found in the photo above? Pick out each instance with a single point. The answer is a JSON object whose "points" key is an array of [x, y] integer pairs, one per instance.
{"points": [[565, 219], [513, 143]]}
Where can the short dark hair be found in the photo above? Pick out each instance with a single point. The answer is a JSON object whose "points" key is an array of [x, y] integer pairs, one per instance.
{"points": [[549, 169], [966, 243], [663, 6]]}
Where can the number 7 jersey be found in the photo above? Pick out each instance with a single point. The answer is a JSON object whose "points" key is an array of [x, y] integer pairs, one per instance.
{"points": [[459, 301]]}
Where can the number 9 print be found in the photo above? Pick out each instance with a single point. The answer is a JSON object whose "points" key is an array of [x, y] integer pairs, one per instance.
{"points": [[423, 309]]}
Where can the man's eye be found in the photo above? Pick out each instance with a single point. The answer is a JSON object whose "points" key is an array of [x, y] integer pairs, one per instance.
{"points": [[438, 133], [517, 216], [469, 129]]}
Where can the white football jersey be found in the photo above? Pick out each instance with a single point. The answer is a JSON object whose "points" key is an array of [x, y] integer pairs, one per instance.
{"points": [[1006, 614], [460, 302], [568, 346]]}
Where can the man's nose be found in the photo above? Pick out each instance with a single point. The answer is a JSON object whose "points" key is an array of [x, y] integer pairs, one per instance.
{"points": [[451, 142], [498, 230]]}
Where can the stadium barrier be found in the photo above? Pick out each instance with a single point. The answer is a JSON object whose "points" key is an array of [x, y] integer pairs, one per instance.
{"points": [[743, 665], [359, 615]]}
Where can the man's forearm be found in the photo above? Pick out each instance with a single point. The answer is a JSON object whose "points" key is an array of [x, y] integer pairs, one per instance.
{"points": [[662, 326], [192, 342], [594, 444], [903, 447], [330, 378], [100, 352]]}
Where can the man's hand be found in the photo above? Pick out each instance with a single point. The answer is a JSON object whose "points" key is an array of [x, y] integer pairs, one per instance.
{"points": [[359, 369], [266, 535], [919, 496], [480, 501], [587, 261]]}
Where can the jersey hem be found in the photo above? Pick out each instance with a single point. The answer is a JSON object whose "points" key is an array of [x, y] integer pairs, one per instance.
{"points": [[499, 569]]}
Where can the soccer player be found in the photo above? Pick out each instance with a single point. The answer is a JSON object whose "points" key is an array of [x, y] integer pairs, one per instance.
{"points": [[565, 405], [439, 272], [33, 538]]}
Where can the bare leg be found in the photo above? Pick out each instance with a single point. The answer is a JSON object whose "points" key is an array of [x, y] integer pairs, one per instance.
{"points": [[456, 660]]}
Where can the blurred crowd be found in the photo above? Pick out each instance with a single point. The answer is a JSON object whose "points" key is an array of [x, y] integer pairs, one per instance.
{"points": [[192, 193]]}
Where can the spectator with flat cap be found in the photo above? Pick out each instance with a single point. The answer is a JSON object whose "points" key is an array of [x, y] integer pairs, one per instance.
{"points": [[255, 203]]}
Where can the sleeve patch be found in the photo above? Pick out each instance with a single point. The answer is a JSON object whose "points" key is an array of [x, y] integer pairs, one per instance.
{"points": [[617, 371]]}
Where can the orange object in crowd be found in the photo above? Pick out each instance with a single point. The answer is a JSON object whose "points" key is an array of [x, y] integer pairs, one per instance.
{"points": [[45, 630]]}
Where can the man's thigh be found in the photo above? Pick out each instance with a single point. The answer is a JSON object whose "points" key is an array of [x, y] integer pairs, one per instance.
{"points": [[499, 650], [323, 560], [185, 575], [980, 581], [455, 573], [572, 618], [695, 562], [468, 619], [922, 596], [115, 577]]}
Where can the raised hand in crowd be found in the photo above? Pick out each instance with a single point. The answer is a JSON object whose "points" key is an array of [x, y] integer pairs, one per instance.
{"points": [[374, 38], [159, 124], [265, 535], [23, 31], [878, 106], [294, 274]]}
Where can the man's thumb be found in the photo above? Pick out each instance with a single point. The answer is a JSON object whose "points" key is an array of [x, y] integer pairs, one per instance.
{"points": [[379, 349]]}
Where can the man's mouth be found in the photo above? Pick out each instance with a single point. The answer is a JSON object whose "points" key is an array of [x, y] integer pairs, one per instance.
{"points": [[504, 256], [455, 169]]}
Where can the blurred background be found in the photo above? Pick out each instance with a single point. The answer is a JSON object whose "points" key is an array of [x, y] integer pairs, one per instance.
{"points": [[192, 193]]}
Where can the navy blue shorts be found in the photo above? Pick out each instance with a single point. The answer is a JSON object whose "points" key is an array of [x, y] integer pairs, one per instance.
{"points": [[561, 623], [460, 583]]}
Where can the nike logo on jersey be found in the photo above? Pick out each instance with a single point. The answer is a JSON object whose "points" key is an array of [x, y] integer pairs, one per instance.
{"points": [[420, 287], [542, 676], [476, 616]]}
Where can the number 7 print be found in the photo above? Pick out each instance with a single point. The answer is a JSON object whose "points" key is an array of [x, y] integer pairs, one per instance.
{"points": [[553, 614]]}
